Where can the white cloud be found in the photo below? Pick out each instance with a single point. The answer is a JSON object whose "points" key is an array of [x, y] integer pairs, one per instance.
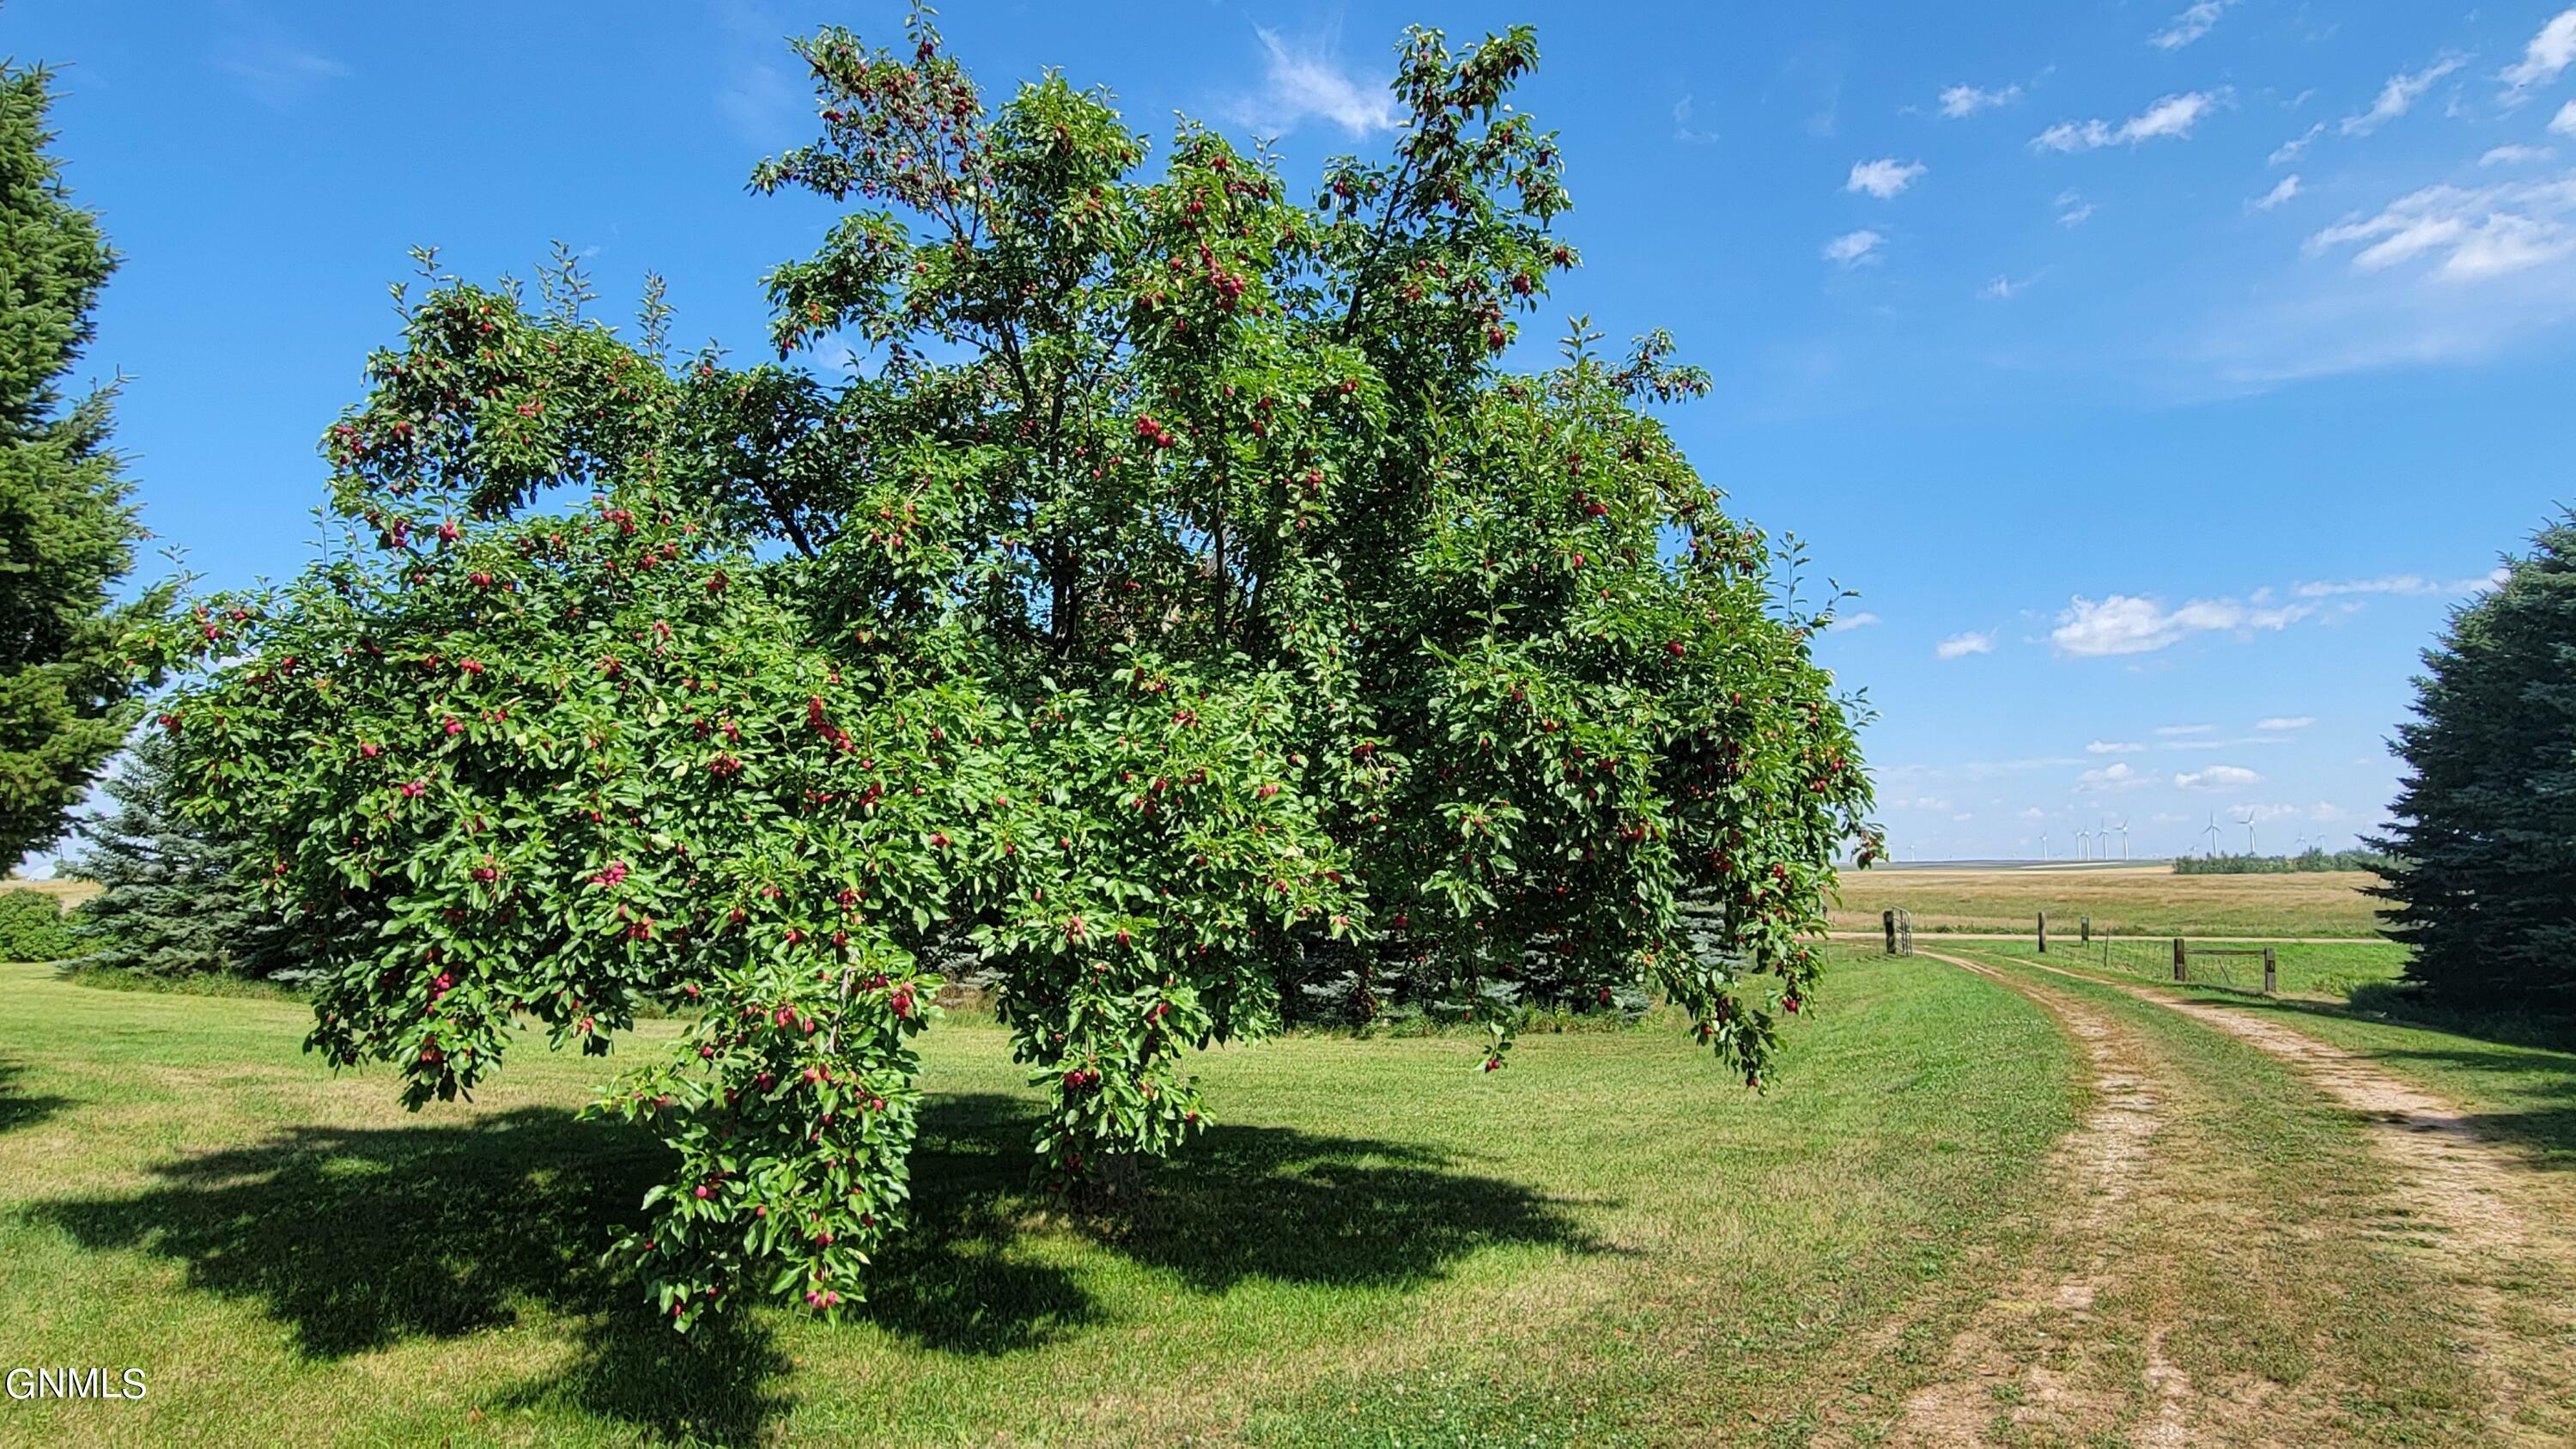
{"points": [[2515, 155], [1883, 178], [2288, 188], [2034, 813], [2173, 731], [2478, 232], [2398, 97], [2216, 777], [1965, 100], [2278, 723], [2072, 209], [1959, 646], [2113, 747], [2114, 777], [2549, 52], [2193, 23], [2170, 118], [2564, 123], [1851, 621], [1853, 248], [2124, 624], [1303, 81], [2290, 149], [2003, 289]]}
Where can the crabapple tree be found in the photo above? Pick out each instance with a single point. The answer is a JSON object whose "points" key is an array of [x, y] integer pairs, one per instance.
{"points": [[1185, 605]]}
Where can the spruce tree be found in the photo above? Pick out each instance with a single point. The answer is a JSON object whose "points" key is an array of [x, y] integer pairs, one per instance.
{"points": [[2484, 887], [175, 902], [67, 531]]}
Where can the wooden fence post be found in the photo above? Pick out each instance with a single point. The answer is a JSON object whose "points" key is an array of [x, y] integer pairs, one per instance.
{"points": [[1891, 930], [2178, 957], [2084, 929], [2043, 933], [2271, 982]]}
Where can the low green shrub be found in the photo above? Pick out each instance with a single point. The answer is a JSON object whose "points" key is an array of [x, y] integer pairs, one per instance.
{"points": [[32, 928]]}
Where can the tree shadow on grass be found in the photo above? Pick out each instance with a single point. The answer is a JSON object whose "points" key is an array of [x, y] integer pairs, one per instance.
{"points": [[358, 1239], [1239, 1203], [18, 1107]]}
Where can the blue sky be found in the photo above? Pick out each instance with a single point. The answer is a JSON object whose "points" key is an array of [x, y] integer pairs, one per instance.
{"points": [[2159, 373]]}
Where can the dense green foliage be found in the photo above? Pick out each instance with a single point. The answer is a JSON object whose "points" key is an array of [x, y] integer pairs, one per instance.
{"points": [[67, 533], [174, 902], [32, 927], [1186, 610], [2486, 891], [2309, 861]]}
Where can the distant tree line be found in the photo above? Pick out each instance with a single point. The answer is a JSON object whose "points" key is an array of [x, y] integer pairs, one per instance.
{"points": [[2313, 859]]}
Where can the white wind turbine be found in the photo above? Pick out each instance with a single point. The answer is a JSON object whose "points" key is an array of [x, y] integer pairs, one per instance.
{"points": [[2082, 851], [2249, 830], [2212, 833], [2124, 837]]}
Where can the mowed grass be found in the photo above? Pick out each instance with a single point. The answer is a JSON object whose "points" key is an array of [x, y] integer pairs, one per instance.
{"points": [[1608, 1241], [2139, 900]]}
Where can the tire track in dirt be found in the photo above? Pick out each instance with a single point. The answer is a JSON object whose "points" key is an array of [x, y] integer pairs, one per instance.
{"points": [[2475, 1199], [2102, 1164]]}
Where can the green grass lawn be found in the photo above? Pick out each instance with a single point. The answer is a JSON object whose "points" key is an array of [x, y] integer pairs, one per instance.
{"points": [[1378, 1244], [2328, 969]]}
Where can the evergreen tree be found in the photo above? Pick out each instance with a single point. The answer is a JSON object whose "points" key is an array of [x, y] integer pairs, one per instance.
{"points": [[2484, 887], [67, 532], [175, 903]]}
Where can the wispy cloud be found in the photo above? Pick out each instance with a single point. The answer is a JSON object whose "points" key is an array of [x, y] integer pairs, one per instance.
{"points": [[2548, 53], [759, 101], [2290, 149], [1683, 131], [1853, 248], [2170, 118], [2398, 96], [2004, 289], [2288, 187], [2180, 731], [2478, 232], [1845, 622], [1960, 646], [2516, 155], [1304, 81], [2071, 209], [2564, 123], [2216, 777], [2403, 585], [2193, 23], [2278, 724], [1961, 101], [2128, 624], [1883, 178], [274, 70], [2113, 747]]}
